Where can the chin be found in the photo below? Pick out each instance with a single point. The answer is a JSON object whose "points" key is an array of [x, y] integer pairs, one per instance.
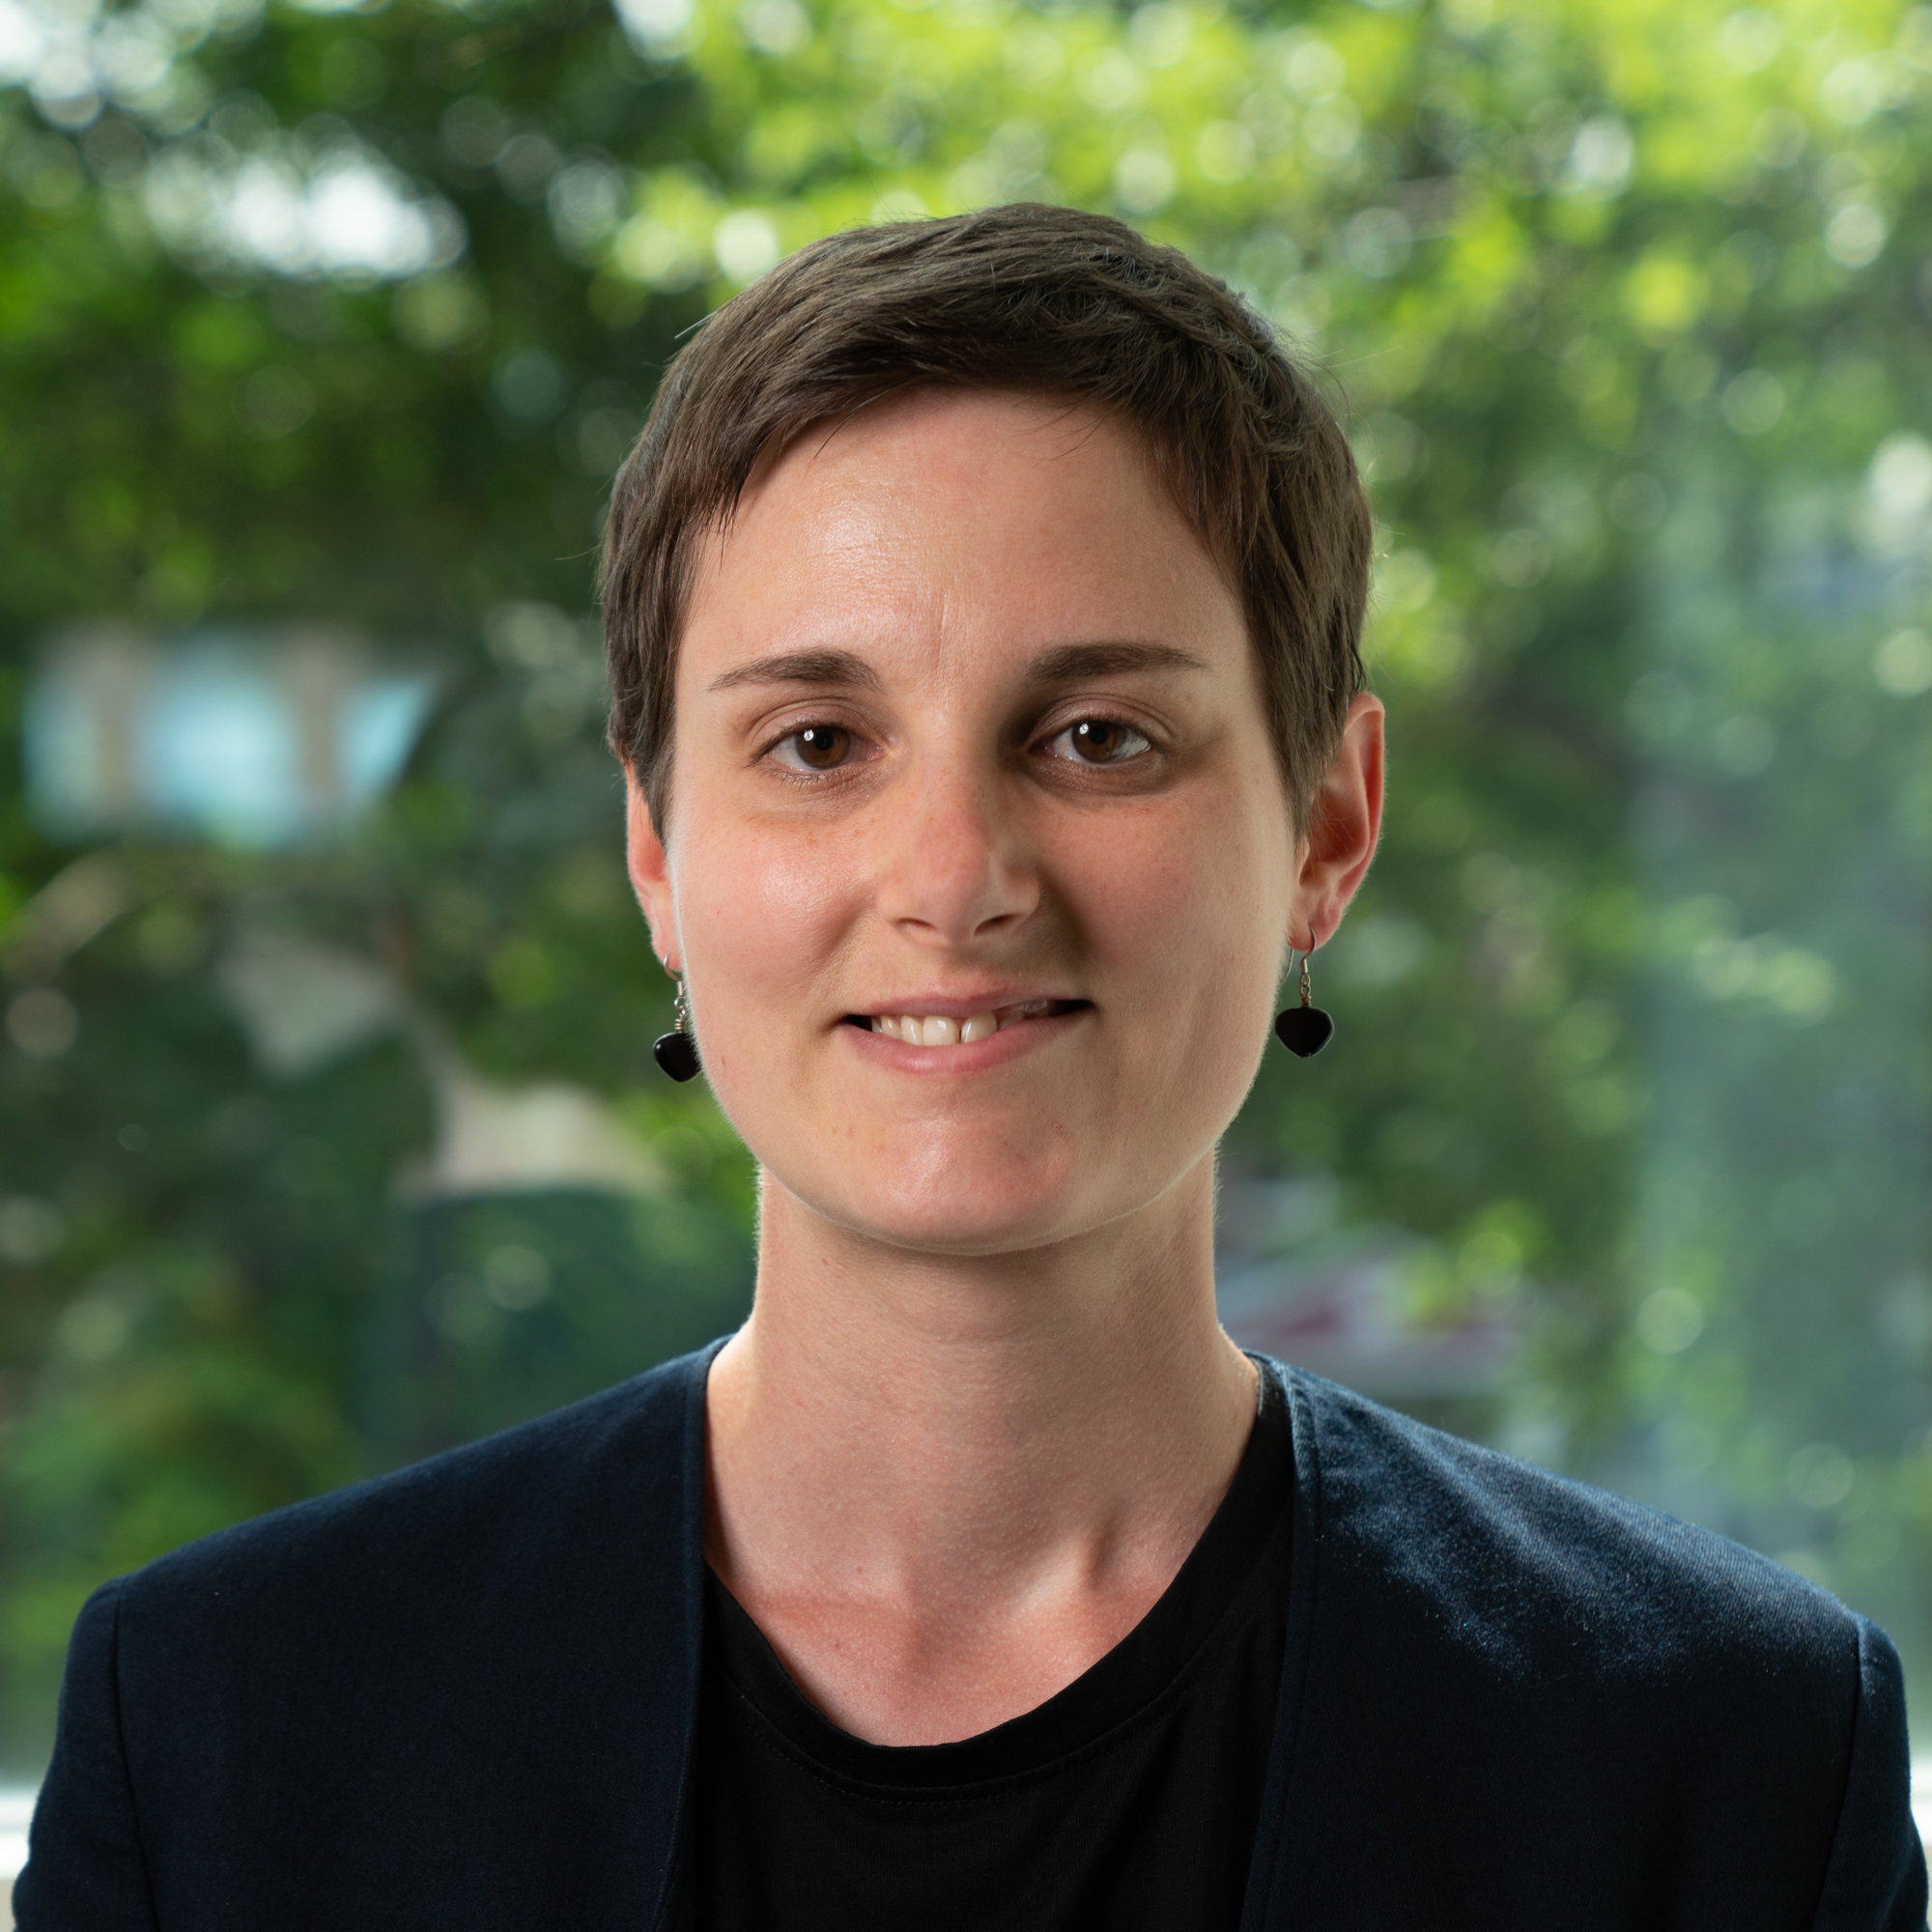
{"points": [[992, 1233], [954, 1205]]}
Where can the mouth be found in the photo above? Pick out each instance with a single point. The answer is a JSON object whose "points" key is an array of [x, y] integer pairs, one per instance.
{"points": [[948, 1029]]}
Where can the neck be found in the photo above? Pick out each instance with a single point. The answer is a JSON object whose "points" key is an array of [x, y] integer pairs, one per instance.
{"points": [[921, 1447]]}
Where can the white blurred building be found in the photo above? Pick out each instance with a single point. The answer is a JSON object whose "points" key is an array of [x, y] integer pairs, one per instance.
{"points": [[253, 738]]}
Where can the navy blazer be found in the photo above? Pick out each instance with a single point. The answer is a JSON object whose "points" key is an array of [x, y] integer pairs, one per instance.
{"points": [[464, 1695]]}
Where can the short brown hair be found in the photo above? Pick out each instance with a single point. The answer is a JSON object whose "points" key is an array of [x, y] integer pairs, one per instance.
{"points": [[1046, 299]]}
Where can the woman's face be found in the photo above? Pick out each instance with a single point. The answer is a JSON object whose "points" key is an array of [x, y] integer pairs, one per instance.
{"points": [[970, 734]]}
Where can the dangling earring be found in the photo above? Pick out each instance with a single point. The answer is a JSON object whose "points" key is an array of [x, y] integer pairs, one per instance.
{"points": [[676, 1052], [1304, 1029]]}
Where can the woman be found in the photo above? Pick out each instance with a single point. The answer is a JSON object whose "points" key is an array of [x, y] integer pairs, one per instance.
{"points": [[983, 601]]}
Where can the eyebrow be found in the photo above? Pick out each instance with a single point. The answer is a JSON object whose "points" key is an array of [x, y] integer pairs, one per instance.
{"points": [[1063, 665], [802, 668], [1066, 663]]}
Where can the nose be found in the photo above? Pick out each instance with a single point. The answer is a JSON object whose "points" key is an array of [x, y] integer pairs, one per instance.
{"points": [[957, 867]]}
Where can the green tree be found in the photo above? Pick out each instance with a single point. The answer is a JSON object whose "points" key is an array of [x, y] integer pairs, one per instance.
{"points": [[1626, 308]]}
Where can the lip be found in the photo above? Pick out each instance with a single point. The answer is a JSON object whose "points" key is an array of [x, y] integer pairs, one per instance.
{"points": [[949, 1006], [982, 1055]]}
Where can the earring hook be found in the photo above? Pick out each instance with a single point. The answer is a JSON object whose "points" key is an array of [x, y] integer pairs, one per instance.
{"points": [[1304, 1029], [676, 1051]]}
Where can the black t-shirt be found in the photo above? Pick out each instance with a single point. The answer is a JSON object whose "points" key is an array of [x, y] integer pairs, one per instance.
{"points": [[1128, 1800]]}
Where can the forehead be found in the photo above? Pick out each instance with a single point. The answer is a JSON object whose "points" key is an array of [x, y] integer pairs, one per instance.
{"points": [[940, 515]]}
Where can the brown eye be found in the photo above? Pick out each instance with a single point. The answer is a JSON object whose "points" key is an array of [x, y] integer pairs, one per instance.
{"points": [[818, 747], [1099, 741]]}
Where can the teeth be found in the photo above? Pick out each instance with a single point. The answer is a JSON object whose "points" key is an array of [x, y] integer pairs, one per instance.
{"points": [[918, 1029]]}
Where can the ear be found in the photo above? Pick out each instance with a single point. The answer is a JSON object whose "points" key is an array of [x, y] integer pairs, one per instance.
{"points": [[650, 871], [1344, 819]]}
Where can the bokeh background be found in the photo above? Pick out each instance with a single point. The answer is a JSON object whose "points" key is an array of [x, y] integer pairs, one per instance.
{"points": [[328, 1132]]}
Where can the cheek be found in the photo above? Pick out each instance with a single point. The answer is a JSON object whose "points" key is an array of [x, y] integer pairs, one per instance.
{"points": [[759, 912], [1190, 901]]}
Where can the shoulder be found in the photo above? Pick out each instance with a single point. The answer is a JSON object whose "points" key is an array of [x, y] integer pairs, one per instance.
{"points": [[482, 1666], [1515, 1564], [1541, 1694], [543, 1494]]}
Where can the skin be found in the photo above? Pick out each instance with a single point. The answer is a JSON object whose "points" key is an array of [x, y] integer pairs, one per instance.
{"points": [[982, 1408]]}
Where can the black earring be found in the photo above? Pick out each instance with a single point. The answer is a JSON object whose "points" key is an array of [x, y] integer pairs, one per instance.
{"points": [[677, 1052], [1304, 1029]]}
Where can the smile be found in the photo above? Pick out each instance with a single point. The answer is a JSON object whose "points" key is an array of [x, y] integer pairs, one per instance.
{"points": [[941, 1030]]}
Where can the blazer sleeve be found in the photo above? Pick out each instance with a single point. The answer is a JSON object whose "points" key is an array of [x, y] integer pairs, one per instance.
{"points": [[85, 1869], [1876, 1880]]}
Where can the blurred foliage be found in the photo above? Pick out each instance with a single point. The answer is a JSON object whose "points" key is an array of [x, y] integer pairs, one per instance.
{"points": [[1627, 308]]}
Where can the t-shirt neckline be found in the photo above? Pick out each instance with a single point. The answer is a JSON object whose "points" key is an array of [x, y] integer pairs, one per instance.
{"points": [[1128, 1684]]}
